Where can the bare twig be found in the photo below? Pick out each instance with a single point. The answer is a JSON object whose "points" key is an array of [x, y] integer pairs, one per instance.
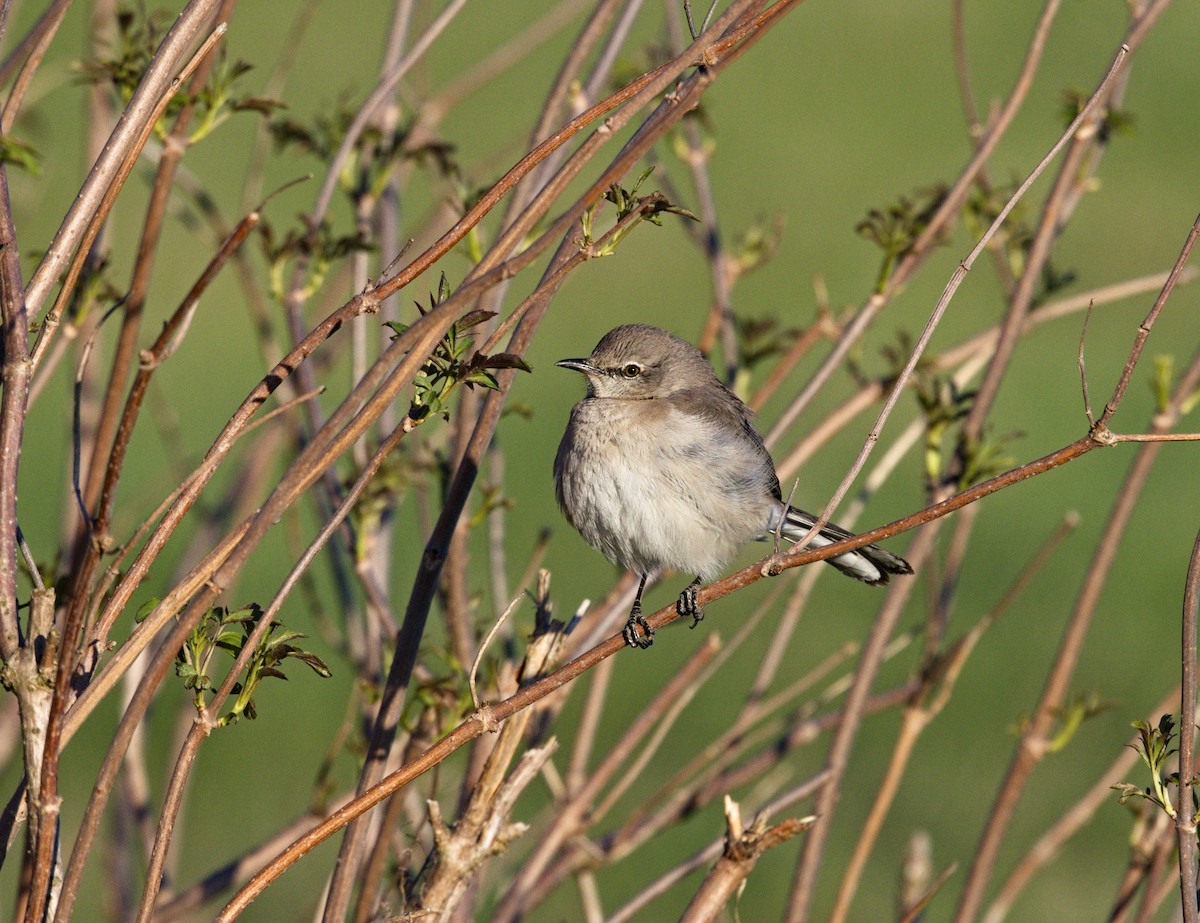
{"points": [[90, 207], [1185, 814], [570, 816], [483, 646], [1143, 333], [933, 692], [837, 759], [1083, 378], [460, 852], [914, 913]]}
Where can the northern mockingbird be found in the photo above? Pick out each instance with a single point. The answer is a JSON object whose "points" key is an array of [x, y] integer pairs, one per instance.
{"points": [[661, 467]]}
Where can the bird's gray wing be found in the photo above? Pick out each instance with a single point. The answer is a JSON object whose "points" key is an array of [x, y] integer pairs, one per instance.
{"points": [[726, 414]]}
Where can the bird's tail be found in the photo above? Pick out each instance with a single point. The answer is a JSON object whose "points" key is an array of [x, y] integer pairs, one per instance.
{"points": [[871, 564]]}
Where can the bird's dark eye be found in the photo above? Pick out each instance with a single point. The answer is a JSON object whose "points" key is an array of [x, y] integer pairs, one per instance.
{"points": [[631, 371]]}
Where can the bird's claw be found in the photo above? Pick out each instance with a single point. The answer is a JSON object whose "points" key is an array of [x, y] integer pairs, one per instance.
{"points": [[637, 631], [688, 604]]}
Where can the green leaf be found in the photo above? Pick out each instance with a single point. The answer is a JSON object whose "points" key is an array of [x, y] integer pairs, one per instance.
{"points": [[146, 608], [473, 318], [20, 154], [505, 361]]}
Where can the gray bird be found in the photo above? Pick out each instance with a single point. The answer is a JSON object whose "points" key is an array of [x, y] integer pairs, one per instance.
{"points": [[661, 467]]}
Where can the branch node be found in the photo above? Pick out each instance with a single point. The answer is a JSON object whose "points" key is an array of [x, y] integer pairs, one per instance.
{"points": [[1102, 435], [771, 567], [487, 718]]}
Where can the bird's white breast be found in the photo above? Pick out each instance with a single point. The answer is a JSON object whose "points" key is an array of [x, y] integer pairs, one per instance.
{"points": [[652, 487]]}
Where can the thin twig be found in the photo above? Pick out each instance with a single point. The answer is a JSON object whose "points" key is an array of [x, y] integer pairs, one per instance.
{"points": [[1083, 377], [743, 848], [483, 645], [937, 683], [838, 757], [569, 816], [914, 913], [1185, 813], [1143, 332], [709, 853]]}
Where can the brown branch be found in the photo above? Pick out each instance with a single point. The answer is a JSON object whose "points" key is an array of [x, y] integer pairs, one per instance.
{"points": [[206, 721], [1151, 831], [914, 913], [489, 716], [838, 757], [193, 898], [472, 830], [968, 353], [48, 22], [37, 43], [937, 681], [962, 69], [743, 849], [161, 350], [1083, 136], [718, 54], [460, 853], [476, 725], [73, 622], [414, 344], [708, 854], [412, 629], [684, 790], [1143, 333], [541, 30], [570, 817], [411, 793], [111, 431], [15, 376], [29, 661]]}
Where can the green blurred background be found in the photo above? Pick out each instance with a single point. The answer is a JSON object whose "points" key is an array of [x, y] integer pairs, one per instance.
{"points": [[840, 109]]}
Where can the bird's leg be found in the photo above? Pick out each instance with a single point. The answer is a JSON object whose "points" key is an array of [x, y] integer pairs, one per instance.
{"points": [[688, 605], [638, 632]]}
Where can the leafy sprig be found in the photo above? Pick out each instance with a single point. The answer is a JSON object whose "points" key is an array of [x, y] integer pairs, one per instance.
{"points": [[896, 227], [452, 364], [316, 243], [222, 630], [139, 34], [1156, 745], [627, 201]]}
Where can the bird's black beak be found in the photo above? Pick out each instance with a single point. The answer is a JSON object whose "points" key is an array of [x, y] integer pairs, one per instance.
{"points": [[579, 365]]}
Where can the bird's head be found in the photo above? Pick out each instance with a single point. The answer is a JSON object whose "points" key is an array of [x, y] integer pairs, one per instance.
{"points": [[639, 362]]}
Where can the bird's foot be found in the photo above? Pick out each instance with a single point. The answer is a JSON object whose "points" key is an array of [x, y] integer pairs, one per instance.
{"points": [[637, 631], [688, 603]]}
